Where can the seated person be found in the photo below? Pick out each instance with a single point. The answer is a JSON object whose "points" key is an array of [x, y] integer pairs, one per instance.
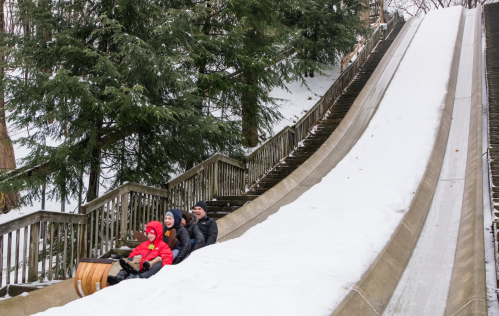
{"points": [[208, 226], [152, 251], [173, 220], [189, 221]]}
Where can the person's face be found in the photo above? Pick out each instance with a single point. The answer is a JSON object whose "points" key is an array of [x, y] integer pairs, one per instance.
{"points": [[151, 237], [199, 212], [169, 221], [183, 222]]}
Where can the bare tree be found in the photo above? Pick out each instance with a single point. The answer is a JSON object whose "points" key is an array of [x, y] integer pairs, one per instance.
{"points": [[419, 7]]}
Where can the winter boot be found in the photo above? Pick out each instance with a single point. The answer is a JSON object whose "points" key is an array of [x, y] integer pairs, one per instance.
{"points": [[148, 264], [113, 280], [132, 266]]}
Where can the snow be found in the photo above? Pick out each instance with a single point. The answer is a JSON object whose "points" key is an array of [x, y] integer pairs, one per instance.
{"points": [[299, 98], [305, 258]]}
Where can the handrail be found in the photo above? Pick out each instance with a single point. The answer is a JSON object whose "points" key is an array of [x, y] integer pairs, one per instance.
{"points": [[41, 216], [268, 142], [217, 157], [125, 188]]}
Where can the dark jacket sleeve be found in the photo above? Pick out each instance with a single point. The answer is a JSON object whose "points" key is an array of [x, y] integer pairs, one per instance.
{"points": [[183, 237], [212, 233], [198, 236]]}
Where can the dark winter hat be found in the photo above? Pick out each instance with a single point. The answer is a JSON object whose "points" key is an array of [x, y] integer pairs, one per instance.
{"points": [[177, 216], [203, 205]]}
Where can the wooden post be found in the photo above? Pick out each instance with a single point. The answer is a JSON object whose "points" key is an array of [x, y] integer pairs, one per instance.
{"points": [[34, 239], [83, 242], [215, 179], [124, 217]]}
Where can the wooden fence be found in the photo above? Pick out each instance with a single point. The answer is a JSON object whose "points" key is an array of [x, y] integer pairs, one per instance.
{"points": [[48, 245], [217, 176]]}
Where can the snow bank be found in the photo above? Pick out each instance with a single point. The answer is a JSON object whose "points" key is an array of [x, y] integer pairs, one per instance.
{"points": [[305, 258]]}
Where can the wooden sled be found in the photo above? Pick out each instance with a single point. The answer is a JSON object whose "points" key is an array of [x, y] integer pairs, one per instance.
{"points": [[91, 275]]}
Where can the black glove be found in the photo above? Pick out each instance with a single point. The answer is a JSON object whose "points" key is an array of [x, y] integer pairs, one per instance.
{"points": [[146, 266]]}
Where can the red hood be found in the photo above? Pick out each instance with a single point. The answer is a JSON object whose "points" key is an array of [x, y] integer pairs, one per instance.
{"points": [[158, 227]]}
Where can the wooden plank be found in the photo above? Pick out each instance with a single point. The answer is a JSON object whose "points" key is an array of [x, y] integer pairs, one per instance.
{"points": [[96, 241], [113, 240], [9, 252], [25, 254], [44, 246], [51, 250], [65, 253], [90, 252], [118, 222], [78, 243], [72, 240], [58, 251], [124, 216], [135, 211], [101, 234], [16, 276], [33, 252], [107, 226]]}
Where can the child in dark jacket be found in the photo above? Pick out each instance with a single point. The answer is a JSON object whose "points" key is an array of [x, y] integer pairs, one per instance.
{"points": [[151, 251], [173, 219]]}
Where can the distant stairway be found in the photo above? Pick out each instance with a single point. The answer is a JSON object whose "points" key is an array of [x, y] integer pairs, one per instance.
{"points": [[225, 205]]}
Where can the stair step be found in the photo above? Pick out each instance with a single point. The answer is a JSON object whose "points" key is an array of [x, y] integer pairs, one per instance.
{"points": [[229, 209], [235, 197], [226, 203]]}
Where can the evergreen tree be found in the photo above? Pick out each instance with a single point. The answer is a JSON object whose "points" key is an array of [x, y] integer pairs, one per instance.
{"points": [[103, 94], [329, 28], [137, 90]]}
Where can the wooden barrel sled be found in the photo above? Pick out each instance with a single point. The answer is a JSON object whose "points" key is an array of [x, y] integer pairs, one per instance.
{"points": [[91, 275]]}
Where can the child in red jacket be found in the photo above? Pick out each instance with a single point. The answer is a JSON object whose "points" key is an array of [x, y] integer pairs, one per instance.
{"points": [[155, 249]]}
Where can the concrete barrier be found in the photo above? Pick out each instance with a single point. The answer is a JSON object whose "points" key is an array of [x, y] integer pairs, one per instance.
{"points": [[38, 301], [373, 292], [467, 292]]}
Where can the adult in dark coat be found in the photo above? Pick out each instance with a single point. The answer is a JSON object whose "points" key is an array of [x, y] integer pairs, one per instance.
{"points": [[184, 245], [189, 221], [207, 225]]}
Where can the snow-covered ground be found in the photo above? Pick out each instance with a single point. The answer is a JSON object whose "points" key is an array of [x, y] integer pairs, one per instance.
{"points": [[295, 103], [305, 258]]}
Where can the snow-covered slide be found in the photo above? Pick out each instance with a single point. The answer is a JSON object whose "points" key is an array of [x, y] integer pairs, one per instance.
{"points": [[446, 272], [336, 235]]}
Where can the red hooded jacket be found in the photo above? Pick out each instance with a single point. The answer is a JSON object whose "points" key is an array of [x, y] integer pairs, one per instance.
{"points": [[150, 250]]}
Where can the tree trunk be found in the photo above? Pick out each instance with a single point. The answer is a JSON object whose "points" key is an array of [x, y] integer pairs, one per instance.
{"points": [[93, 180], [7, 156], [249, 103]]}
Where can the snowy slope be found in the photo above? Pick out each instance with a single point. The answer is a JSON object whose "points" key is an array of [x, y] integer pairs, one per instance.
{"points": [[295, 103], [305, 258]]}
